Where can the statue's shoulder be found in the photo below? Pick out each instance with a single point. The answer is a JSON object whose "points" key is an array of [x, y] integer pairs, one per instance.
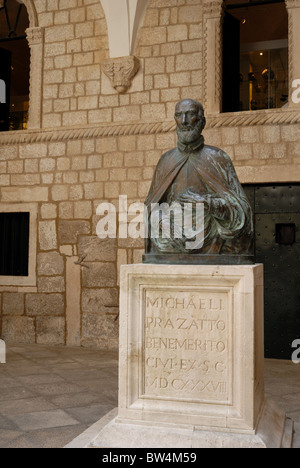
{"points": [[217, 154], [168, 157]]}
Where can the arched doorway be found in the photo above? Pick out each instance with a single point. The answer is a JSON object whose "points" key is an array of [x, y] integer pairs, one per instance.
{"points": [[15, 65]]}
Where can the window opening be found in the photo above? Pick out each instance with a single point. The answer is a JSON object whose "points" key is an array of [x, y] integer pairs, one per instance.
{"points": [[255, 55], [14, 244], [15, 66], [285, 233]]}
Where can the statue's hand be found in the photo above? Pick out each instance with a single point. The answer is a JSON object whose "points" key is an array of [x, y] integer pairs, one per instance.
{"points": [[191, 197], [219, 209], [170, 245], [215, 206]]}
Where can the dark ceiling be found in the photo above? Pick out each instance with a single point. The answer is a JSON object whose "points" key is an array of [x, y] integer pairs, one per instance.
{"points": [[261, 22]]}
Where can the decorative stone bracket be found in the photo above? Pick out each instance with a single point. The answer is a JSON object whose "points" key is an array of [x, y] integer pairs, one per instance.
{"points": [[121, 71]]}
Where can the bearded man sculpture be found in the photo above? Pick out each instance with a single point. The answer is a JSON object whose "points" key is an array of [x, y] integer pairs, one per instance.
{"points": [[194, 174]]}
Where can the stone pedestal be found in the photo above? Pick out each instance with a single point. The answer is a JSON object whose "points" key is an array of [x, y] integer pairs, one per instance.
{"points": [[191, 360]]}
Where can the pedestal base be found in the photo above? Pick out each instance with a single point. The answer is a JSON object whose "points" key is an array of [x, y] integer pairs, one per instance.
{"points": [[191, 361], [274, 431], [191, 346]]}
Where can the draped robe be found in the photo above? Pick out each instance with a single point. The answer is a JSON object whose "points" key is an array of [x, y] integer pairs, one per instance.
{"points": [[206, 170]]}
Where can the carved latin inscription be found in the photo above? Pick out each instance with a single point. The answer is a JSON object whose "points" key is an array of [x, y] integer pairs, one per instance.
{"points": [[187, 345]]}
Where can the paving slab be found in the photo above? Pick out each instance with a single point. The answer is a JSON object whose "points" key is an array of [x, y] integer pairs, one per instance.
{"points": [[51, 395]]}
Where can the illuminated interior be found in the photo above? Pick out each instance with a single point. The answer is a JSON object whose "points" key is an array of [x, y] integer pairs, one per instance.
{"points": [[13, 23], [262, 59]]}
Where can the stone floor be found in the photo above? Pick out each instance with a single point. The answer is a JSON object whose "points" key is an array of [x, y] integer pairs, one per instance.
{"points": [[48, 396]]}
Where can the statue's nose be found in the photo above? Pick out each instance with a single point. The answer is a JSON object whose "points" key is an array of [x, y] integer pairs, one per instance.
{"points": [[184, 119]]}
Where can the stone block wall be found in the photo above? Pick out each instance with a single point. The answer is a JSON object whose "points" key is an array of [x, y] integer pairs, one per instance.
{"points": [[95, 145], [75, 92], [75, 300], [76, 43]]}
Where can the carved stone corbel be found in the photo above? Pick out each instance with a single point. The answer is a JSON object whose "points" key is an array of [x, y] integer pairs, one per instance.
{"points": [[34, 36], [121, 71]]}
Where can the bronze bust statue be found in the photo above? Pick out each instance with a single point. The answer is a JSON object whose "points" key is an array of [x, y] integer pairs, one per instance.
{"points": [[195, 173]]}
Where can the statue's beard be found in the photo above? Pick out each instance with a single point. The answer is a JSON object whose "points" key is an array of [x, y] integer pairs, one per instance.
{"points": [[189, 134]]}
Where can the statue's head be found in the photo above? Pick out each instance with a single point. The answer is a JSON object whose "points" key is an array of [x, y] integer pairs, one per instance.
{"points": [[190, 120]]}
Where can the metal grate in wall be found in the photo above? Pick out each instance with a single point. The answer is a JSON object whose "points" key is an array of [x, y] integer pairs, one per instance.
{"points": [[277, 245]]}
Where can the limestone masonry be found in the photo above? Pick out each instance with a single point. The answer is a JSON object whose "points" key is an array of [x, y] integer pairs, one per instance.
{"points": [[86, 144]]}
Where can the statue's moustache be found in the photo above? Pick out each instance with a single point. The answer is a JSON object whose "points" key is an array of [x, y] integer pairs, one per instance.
{"points": [[186, 129]]}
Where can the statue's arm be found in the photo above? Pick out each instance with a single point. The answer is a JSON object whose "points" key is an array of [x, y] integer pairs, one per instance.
{"points": [[231, 209]]}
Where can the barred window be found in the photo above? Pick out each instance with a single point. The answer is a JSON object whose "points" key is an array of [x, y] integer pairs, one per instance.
{"points": [[14, 244]]}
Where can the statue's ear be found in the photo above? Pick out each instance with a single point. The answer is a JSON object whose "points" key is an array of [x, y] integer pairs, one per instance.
{"points": [[203, 122]]}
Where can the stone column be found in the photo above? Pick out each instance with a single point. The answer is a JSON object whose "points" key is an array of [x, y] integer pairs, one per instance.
{"points": [[293, 7], [212, 21], [35, 37]]}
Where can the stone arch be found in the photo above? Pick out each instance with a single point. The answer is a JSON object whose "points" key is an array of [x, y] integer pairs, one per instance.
{"points": [[31, 10], [123, 23]]}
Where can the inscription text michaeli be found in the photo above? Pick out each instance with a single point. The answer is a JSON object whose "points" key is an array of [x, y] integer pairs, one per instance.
{"points": [[187, 345], [192, 302]]}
